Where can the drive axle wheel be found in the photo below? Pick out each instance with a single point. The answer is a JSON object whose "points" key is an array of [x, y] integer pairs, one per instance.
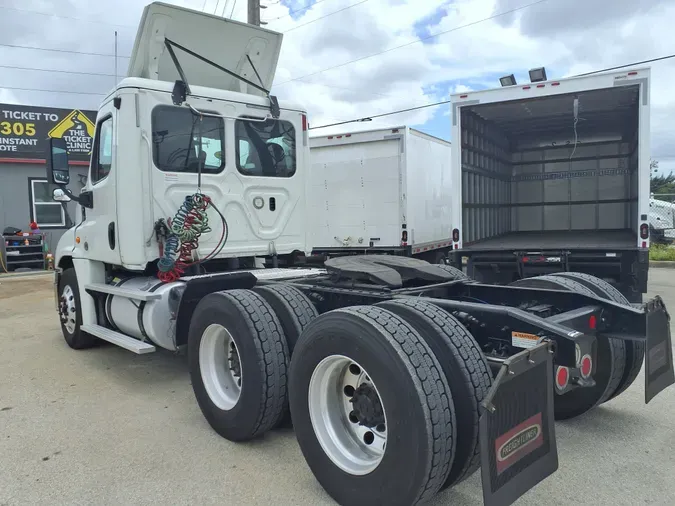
{"points": [[372, 410], [238, 360], [635, 350], [347, 415], [609, 358]]}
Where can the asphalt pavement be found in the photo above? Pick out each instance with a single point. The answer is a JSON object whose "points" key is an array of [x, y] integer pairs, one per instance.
{"points": [[106, 427]]}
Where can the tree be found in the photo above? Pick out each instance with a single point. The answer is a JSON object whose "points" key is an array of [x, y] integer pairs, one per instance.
{"points": [[660, 184]]}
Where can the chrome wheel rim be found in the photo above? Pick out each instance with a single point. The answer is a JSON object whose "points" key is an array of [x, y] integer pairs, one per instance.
{"points": [[347, 415], [68, 309], [220, 367]]}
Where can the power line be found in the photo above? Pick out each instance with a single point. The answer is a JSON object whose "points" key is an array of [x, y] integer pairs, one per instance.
{"points": [[630, 65], [53, 91], [371, 118], [416, 41], [443, 102], [49, 14], [296, 11], [16, 46], [317, 19], [56, 70]]}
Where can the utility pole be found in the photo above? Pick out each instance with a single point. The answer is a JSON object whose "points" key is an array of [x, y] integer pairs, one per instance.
{"points": [[254, 12]]}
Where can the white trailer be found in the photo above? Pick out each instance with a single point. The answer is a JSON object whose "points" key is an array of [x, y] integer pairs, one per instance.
{"points": [[380, 191], [554, 175], [383, 363]]}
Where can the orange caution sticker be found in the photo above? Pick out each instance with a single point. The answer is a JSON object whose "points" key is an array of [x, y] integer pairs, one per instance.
{"points": [[524, 340]]}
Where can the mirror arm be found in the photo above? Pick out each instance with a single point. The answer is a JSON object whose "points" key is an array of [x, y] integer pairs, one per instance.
{"points": [[84, 198]]}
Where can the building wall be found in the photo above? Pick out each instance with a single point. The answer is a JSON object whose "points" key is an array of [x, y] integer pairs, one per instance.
{"points": [[15, 204]]}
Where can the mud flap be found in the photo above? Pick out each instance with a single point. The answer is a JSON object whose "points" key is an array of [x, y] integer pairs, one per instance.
{"points": [[517, 431], [659, 354]]}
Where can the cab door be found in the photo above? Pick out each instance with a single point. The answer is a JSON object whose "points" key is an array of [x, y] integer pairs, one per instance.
{"points": [[98, 232]]}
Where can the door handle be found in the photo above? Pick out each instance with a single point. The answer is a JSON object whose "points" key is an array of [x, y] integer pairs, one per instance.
{"points": [[273, 203], [111, 235]]}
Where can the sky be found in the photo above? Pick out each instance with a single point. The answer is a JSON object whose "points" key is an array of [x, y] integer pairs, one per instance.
{"points": [[346, 59]]}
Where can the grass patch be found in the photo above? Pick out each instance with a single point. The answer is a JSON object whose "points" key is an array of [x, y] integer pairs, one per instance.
{"points": [[661, 252]]}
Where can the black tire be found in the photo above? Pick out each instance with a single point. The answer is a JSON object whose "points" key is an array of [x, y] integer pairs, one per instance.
{"points": [[263, 355], [635, 350], [294, 309], [76, 339], [417, 404], [608, 365], [466, 369], [295, 312], [457, 274]]}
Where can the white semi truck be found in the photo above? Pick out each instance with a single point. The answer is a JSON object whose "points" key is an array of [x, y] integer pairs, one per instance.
{"points": [[381, 191], [554, 177], [401, 377]]}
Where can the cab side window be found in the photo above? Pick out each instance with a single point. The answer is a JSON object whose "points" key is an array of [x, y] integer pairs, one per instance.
{"points": [[102, 161]]}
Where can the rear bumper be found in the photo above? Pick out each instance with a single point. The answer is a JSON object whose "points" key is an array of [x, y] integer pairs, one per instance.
{"points": [[517, 430]]}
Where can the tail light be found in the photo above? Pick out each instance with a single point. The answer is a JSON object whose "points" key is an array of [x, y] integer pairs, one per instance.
{"points": [[305, 128], [586, 366], [455, 235], [562, 377], [644, 231], [592, 322]]}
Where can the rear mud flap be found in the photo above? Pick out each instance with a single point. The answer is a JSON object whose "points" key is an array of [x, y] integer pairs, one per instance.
{"points": [[659, 372], [517, 431]]}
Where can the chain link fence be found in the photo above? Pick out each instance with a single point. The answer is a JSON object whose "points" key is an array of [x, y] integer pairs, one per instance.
{"points": [[662, 217]]}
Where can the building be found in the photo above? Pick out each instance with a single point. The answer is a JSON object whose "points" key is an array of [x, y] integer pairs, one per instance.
{"points": [[25, 195]]}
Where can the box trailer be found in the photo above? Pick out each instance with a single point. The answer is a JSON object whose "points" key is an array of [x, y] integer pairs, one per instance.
{"points": [[380, 191], [554, 176]]}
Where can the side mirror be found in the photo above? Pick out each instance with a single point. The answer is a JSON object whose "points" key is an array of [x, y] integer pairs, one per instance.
{"points": [[57, 162], [60, 196]]}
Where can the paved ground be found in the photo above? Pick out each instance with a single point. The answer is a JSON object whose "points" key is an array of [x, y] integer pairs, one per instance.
{"points": [[107, 427]]}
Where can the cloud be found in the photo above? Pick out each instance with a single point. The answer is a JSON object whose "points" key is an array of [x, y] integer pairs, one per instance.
{"points": [[568, 37]]}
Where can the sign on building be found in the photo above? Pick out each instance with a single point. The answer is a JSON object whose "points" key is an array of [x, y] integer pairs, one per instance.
{"points": [[24, 131]]}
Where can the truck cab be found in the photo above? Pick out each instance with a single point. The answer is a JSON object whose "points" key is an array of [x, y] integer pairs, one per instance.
{"points": [[154, 147]]}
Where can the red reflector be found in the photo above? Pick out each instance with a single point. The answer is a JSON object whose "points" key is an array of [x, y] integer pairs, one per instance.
{"points": [[456, 246], [632, 73], [540, 85], [562, 376], [527, 87], [463, 96], [586, 366], [555, 84], [348, 135], [339, 137], [304, 123], [526, 259], [644, 244], [330, 137], [592, 322]]}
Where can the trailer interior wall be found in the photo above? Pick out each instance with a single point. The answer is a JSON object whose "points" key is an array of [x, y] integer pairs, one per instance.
{"points": [[522, 170]]}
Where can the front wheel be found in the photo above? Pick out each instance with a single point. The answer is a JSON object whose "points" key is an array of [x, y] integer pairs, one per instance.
{"points": [[70, 313], [372, 409]]}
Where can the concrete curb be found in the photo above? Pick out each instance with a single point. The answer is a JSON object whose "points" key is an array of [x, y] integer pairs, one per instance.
{"points": [[661, 264], [24, 274]]}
